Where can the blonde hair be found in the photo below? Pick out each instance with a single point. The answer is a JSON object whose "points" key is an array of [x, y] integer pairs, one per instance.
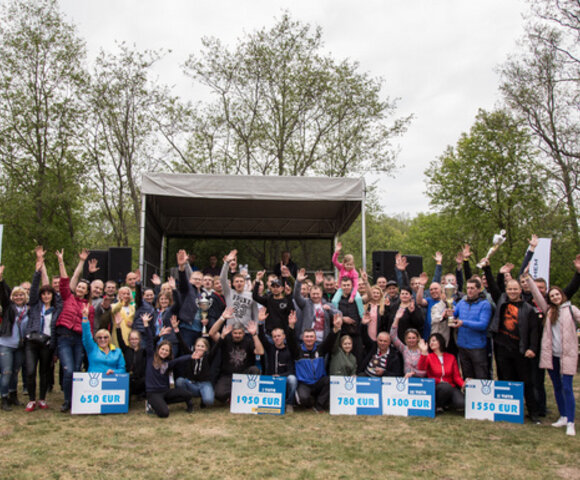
{"points": [[381, 298], [348, 258], [125, 289], [19, 290], [102, 331]]}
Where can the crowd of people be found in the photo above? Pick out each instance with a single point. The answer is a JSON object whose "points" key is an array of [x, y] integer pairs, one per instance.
{"points": [[186, 337]]}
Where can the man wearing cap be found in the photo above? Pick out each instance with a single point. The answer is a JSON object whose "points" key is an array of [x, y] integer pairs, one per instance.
{"points": [[278, 304]]}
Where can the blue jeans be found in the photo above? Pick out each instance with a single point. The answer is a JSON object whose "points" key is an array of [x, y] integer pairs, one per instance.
{"points": [[563, 391], [11, 360], [70, 354], [291, 386], [199, 389]]}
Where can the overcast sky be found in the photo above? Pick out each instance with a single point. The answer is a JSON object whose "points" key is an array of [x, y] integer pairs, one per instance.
{"points": [[437, 56]]}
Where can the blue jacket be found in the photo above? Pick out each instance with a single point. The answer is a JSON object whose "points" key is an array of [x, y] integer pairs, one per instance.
{"points": [[475, 315], [310, 364], [99, 361]]}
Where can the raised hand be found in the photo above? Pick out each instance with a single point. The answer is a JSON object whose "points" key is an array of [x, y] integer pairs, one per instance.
{"points": [[230, 256], [338, 247], [93, 265], [292, 319], [252, 328], [171, 282], [364, 276], [285, 271], [484, 262], [228, 313], [260, 274], [366, 318], [40, 252], [466, 251], [227, 329], [86, 309], [155, 280], [301, 275], [459, 258], [507, 268], [423, 347], [423, 278], [60, 255], [84, 254], [146, 317], [319, 277], [438, 257], [337, 322], [165, 331], [262, 315], [118, 319], [174, 323], [577, 263], [533, 241]]}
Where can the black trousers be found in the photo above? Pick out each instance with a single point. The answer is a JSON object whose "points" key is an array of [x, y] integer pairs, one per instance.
{"points": [[223, 385], [447, 395], [37, 355], [317, 394], [159, 401], [473, 363], [512, 365]]}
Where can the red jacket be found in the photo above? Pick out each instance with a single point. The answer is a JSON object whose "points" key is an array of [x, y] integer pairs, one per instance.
{"points": [[448, 372], [71, 316]]}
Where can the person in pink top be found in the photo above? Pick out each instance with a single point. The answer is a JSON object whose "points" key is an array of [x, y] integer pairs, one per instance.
{"points": [[346, 269]]}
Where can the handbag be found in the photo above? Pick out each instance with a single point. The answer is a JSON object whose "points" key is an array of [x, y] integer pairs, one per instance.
{"points": [[37, 337]]}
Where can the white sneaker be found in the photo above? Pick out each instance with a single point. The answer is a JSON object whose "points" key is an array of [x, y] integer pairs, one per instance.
{"points": [[570, 429], [561, 422]]}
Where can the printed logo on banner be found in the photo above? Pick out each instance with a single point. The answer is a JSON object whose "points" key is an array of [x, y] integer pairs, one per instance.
{"points": [[355, 395], [408, 397], [497, 401], [258, 394], [94, 379]]}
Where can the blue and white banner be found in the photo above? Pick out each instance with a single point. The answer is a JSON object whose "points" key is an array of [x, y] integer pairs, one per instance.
{"points": [[497, 401], [540, 261], [258, 394], [408, 397], [355, 395], [97, 393]]}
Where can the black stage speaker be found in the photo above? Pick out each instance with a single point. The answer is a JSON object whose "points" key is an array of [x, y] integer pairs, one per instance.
{"points": [[415, 267], [120, 263], [384, 264], [102, 257]]}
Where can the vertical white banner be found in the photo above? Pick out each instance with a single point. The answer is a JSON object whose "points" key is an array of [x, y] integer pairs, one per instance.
{"points": [[540, 262]]}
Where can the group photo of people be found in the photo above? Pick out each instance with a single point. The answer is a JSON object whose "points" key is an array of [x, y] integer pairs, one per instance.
{"points": [[181, 339]]}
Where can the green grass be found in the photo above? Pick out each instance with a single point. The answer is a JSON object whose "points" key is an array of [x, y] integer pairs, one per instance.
{"points": [[213, 443]]}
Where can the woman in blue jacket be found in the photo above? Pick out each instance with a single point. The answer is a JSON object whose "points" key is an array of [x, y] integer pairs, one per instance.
{"points": [[103, 356]]}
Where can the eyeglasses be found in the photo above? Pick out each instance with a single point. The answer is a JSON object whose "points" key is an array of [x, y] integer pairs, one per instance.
{"points": [[102, 338]]}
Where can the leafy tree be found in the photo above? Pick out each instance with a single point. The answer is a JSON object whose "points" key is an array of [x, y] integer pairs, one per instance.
{"points": [[41, 73], [283, 108], [489, 182], [541, 84], [122, 136]]}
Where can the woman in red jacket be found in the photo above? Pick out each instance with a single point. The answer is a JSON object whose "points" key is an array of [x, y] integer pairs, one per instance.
{"points": [[69, 324], [442, 367]]}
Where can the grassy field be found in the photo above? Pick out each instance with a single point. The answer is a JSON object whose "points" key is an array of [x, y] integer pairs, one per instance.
{"points": [[213, 443]]}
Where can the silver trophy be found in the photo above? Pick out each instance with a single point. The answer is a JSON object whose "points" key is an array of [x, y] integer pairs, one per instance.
{"points": [[450, 290], [498, 239], [204, 304]]}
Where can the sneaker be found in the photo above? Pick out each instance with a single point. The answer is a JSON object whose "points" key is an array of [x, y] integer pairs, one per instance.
{"points": [[6, 404], [31, 406], [149, 408], [561, 422], [42, 405], [65, 407], [189, 408], [570, 429], [317, 409], [535, 420], [289, 408]]}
